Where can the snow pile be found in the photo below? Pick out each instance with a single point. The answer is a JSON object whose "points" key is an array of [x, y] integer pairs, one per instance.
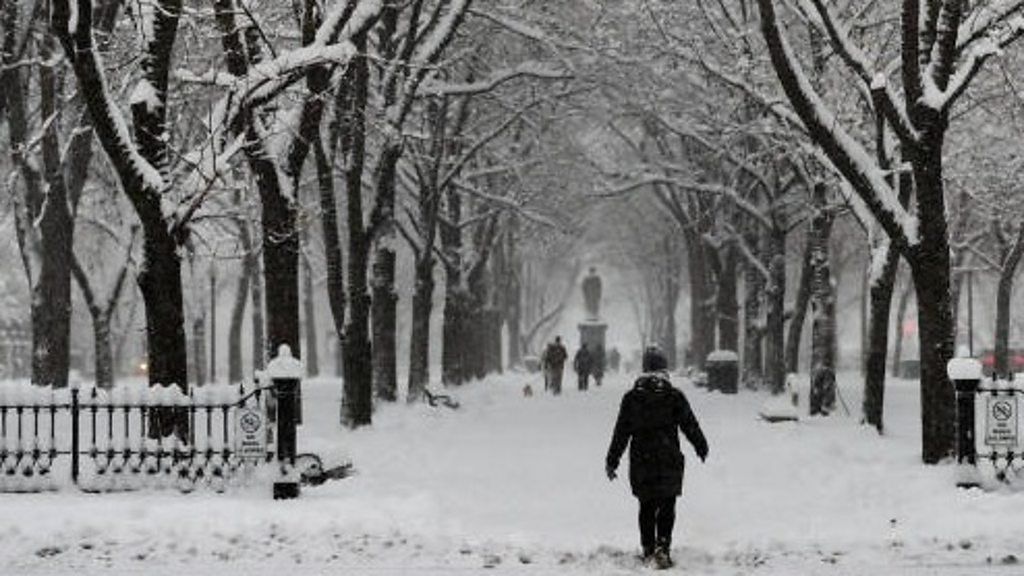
{"points": [[509, 483]]}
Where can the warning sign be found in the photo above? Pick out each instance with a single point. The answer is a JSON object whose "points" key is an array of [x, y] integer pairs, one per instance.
{"points": [[1001, 422], [250, 434]]}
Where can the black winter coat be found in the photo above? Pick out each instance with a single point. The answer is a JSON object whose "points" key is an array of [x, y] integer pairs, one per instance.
{"points": [[582, 362], [650, 417]]}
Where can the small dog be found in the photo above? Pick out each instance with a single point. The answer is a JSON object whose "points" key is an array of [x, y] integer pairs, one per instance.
{"points": [[527, 391]]}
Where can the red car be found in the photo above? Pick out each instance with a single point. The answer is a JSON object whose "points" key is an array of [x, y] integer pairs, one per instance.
{"points": [[988, 360]]}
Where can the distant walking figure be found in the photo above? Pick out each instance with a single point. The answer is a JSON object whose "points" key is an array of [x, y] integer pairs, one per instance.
{"points": [[553, 362], [613, 360], [583, 363], [650, 417]]}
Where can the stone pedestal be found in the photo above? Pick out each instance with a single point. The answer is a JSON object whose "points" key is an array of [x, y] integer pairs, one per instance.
{"points": [[592, 334]]}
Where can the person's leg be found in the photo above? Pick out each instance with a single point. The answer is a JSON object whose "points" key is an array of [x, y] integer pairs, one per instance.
{"points": [[666, 521], [648, 515]]}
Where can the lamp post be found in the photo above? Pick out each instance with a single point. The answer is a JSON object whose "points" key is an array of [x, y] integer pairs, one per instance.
{"points": [[284, 372], [965, 373]]}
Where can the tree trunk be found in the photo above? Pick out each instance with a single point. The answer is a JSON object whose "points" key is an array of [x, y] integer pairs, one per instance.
{"points": [[454, 356], [882, 281], [512, 299], [385, 297], [775, 298], [930, 264], [235, 371], [385, 325], [280, 258], [332, 248], [901, 317], [419, 346], [259, 346], [1002, 335], [961, 211], [104, 350], [101, 320], [796, 322], [701, 342], [51, 296], [865, 290], [728, 308], [199, 349], [160, 284], [357, 403], [823, 329], [513, 321], [47, 203], [668, 337], [309, 309], [753, 293], [357, 400], [488, 330], [456, 297]]}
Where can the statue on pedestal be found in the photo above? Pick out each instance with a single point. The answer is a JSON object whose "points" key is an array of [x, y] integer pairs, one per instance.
{"points": [[592, 295]]}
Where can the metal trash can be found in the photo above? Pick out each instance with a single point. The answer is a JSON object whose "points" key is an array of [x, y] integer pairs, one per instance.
{"points": [[910, 369], [723, 368], [532, 364]]}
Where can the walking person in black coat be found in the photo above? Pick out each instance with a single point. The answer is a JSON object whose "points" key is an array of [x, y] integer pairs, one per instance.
{"points": [[553, 362], [650, 417], [582, 363]]}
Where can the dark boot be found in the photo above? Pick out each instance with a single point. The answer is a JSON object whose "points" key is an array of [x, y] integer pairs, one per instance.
{"points": [[662, 556]]}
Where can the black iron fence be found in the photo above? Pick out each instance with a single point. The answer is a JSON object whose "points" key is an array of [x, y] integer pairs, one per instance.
{"points": [[989, 446], [103, 440], [107, 440]]}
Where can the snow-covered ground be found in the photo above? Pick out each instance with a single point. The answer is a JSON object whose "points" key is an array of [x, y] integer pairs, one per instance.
{"points": [[516, 485]]}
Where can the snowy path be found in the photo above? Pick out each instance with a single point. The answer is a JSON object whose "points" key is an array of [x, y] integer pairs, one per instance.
{"points": [[513, 485]]}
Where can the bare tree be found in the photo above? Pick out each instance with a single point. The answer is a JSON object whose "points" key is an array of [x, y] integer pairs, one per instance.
{"points": [[943, 48]]}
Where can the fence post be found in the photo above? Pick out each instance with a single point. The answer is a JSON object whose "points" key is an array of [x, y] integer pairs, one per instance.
{"points": [[965, 373], [284, 373], [74, 430]]}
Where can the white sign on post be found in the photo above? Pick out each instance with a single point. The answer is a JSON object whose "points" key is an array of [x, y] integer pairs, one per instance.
{"points": [[250, 434], [1001, 422]]}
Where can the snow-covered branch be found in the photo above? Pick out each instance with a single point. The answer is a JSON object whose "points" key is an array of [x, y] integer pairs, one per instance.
{"points": [[980, 52], [483, 141], [535, 70], [984, 18], [524, 29], [699, 187], [848, 155], [506, 204], [744, 250], [71, 23], [857, 61]]}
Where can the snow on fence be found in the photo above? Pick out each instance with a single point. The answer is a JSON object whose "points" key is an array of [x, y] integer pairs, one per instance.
{"points": [[105, 440]]}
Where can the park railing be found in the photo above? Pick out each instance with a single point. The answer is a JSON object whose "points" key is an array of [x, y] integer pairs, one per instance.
{"points": [[110, 440], [989, 447]]}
